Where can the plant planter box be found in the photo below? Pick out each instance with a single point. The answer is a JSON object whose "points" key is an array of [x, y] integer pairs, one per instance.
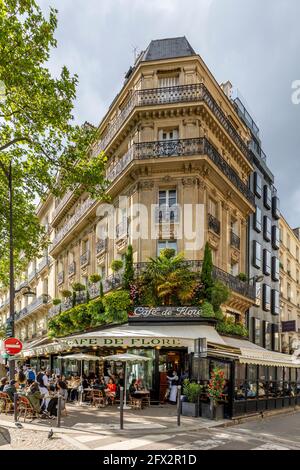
{"points": [[190, 409], [217, 412]]}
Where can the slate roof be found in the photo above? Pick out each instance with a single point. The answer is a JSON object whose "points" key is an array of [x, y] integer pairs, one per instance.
{"points": [[168, 49]]}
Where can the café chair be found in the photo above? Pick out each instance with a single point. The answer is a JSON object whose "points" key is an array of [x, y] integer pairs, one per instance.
{"points": [[6, 403], [98, 399], [26, 409]]}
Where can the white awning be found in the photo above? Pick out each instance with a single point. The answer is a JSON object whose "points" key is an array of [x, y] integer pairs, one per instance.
{"points": [[252, 354]]}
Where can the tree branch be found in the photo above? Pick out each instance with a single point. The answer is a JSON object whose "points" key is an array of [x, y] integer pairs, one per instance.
{"points": [[14, 141]]}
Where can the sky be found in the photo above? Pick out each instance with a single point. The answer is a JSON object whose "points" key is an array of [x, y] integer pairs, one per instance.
{"points": [[253, 43]]}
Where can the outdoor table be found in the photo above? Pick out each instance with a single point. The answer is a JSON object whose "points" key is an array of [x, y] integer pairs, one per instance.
{"points": [[144, 395]]}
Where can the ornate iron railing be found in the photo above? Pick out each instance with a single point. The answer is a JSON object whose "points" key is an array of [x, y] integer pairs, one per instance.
{"points": [[235, 240], [169, 95], [166, 214], [121, 229], [60, 277], [72, 268], [101, 246], [214, 224], [32, 274], [73, 221], [181, 148], [42, 264], [42, 299], [62, 203], [85, 258]]}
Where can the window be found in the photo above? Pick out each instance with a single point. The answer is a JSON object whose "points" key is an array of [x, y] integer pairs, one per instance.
{"points": [[256, 331], [257, 293], [234, 269], [213, 208], [257, 217], [275, 237], [289, 292], [84, 246], [267, 197], [267, 335], [275, 334], [266, 298], [267, 262], [297, 253], [288, 242], [297, 276], [162, 244], [164, 82], [256, 254], [275, 268], [168, 134], [167, 197], [275, 302], [267, 228], [257, 184], [276, 207]]}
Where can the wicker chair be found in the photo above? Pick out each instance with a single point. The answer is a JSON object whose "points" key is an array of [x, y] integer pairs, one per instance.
{"points": [[135, 403], [26, 409], [6, 403], [98, 399]]}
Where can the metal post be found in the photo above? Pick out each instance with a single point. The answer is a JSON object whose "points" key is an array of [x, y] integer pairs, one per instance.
{"points": [[15, 407], [58, 410], [121, 408], [178, 404], [11, 268]]}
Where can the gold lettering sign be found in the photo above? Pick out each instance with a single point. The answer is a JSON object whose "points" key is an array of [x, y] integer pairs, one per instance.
{"points": [[129, 342]]}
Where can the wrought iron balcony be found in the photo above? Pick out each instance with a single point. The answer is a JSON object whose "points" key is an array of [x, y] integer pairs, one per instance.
{"points": [[101, 246], [32, 274], [171, 95], [62, 203], [85, 258], [73, 221], [72, 268], [214, 224], [121, 229], [60, 277], [36, 303], [235, 240], [42, 264], [166, 214], [181, 148]]}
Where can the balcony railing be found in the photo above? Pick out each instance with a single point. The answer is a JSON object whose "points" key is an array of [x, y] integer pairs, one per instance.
{"points": [[101, 246], [42, 299], [171, 95], [72, 268], [62, 203], [85, 207], [85, 258], [60, 277], [235, 240], [180, 148], [42, 264], [121, 229], [32, 274], [3, 304], [166, 214], [214, 224]]}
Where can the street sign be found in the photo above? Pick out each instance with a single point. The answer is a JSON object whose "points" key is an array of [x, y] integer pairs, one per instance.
{"points": [[13, 346], [9, 328], [288, 326]]}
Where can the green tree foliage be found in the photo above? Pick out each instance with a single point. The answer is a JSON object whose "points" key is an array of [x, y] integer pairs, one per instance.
{"points": [[117, 305], [116, 265], [128, 276], [39, 140], [206, 273], [219, 295]]}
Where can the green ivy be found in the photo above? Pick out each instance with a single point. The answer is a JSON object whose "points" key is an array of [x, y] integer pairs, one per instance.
{"points": [[228, 327], [207, 310], [116, 306]]}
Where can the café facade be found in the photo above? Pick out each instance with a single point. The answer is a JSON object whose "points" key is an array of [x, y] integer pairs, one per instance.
{"points": [[257, 379]]}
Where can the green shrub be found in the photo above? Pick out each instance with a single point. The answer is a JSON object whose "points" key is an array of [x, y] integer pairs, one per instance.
{"points": [[228, 327], [95, 309], [116, 306], [207, 310], [78, 287], [191, 390], [80, 317], [66, 293], [128, 276], [168, 253], [242, 277], [219, 295], [56, 301], [116, 265], [94, 278], [206, 273]]}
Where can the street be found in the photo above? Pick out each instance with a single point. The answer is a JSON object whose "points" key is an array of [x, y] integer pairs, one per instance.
{"points": [[274, 433]]}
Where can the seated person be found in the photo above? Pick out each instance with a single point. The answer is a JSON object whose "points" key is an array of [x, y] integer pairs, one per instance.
{"points": [[111, 389], [84, 382], [34, 396], [3, 382], [133, 388], [99, 385], [73, 388], [10, 389]]}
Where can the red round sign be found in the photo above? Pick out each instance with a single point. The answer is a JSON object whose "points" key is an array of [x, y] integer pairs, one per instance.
{"points": [[13, 346]]}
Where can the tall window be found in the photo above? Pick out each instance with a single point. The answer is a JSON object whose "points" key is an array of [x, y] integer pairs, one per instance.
{"points": [[257, 219], [275, 268], [276, 208], [256, 254], [267, 228], [212, 208], [275, 237], [234, 269], [168, 81], [162, 244], [256, 331], [267, 262], [167, 197], [275, 302], [168, 134], [267, 197], [257, 184], [267, 335], [266, 297]]}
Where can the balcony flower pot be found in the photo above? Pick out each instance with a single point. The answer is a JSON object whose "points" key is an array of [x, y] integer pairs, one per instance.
{"points": [[212, 410], [190, 409]]}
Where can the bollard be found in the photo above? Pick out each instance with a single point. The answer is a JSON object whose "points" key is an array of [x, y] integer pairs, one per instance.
{"points": [[15, 407], [58, 410], [121, 407], [178, 404]]}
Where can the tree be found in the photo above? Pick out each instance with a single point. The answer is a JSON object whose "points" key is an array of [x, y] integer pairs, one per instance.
{"points": [[128, 276], [41, 149], [206, 273]]}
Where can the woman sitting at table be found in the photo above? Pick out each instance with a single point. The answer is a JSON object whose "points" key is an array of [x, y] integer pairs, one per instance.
{"points": [[34, 396], [73, 386], [111, 390], [99, 385], [133, 388]]}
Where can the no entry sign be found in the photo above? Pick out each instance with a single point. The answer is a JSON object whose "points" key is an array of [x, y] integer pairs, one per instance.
{"points": [[13, 346]]}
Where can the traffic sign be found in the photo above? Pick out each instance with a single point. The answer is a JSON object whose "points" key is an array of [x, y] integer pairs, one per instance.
{"points": [[13, 346]]}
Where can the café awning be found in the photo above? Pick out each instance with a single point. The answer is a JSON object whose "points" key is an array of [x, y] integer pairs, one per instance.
{"points": [[250, 353]]}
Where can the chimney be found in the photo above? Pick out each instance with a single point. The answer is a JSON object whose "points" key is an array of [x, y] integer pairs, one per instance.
{"points": [[227, 88]]}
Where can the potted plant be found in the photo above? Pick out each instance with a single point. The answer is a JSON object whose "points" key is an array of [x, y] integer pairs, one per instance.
{"points": [[66, 294], [191, 391], [94, 278], [242, 277], [56, 301], [214, 409], [78, 287], [116, 265]]}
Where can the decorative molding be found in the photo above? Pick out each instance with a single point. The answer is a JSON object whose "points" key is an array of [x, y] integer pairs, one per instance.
{"points": [[146, 185], [190, 181]]}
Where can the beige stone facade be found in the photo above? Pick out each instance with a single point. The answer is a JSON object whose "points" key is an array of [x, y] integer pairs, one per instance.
{"points": [[289, 286], [171, 133]]}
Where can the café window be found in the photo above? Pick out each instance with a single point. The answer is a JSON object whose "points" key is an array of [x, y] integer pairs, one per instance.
{"points": [[256, 331], [275, 208], [257, 217], [275, 237], [267, 262], [257, 184], [256, 254], [275, 268], [267, 335], [266, 298], [275, 302], [267, 228], [162, 244], [267, 197]]}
